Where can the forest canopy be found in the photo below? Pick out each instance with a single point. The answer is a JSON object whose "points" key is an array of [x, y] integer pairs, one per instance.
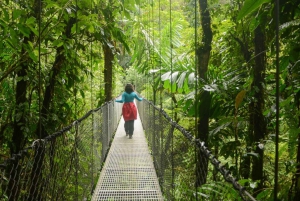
{"points": [[209, 61]]}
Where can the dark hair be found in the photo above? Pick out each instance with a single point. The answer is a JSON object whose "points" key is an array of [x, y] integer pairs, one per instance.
{"points": [[129, 88]]}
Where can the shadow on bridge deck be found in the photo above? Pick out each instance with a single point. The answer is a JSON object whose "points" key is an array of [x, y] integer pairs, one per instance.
{"points": [[128, 173]]}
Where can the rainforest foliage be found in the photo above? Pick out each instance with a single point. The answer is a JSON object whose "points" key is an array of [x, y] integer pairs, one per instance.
{"points": [[209, 61]]}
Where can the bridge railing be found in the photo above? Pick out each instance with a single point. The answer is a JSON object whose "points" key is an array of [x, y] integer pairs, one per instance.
{"points": [[64, 165], [185, 166]]}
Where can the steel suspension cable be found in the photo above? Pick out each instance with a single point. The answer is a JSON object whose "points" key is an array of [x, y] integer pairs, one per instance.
{"points": [[148, 45], [196, 90], [172, 113], [277, 100], [76, 43], [161, 133], [91, 63], [160, 67], [39, 71], [92, 105], [171, 54], [152, 59], [75, 97], [138, 19]]}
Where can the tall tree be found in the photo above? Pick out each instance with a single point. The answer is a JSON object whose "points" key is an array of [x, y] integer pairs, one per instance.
{"points": [[108, 46], [108, 70], [257, 105], [21, 110], [58, 64], [20, 125], [203, 55]]}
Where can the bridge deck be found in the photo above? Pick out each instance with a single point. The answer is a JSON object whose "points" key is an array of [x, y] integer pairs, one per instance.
{"points": [[128, 172]]}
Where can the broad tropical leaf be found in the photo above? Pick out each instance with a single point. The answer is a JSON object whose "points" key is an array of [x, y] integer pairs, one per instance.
{"points": [[250, 6]]}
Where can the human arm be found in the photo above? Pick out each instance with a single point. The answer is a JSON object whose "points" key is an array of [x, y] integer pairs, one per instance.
{"points": [[138, 98], [121, 100]]}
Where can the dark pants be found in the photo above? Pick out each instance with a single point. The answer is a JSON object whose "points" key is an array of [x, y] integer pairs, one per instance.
{"points": [[129, 127]]}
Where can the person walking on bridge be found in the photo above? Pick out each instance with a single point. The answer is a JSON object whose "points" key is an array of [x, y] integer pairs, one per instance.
{"points": [[129, 110]]}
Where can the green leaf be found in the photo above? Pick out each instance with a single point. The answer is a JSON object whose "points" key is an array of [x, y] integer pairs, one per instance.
{"points": [[250, 6], [58, 43], [91, 29], [174, 76], [268, 192], [33, 55], [253, 154], [165, 76], [181, 79], [284, 62], [82, 93], [5, 17], [167, 85], [219, 128], [30, 20], [16, 14], [191, 78], [24, 30], [289, 24], [34, 30], [173, 89], [186, 86], [286, 101], [243, 182]]}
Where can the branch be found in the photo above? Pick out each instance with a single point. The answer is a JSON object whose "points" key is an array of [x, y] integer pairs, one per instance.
{"points": [[12, 67]]}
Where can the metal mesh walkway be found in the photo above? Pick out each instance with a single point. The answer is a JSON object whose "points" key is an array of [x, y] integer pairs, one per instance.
{"points": [[128, 172]]}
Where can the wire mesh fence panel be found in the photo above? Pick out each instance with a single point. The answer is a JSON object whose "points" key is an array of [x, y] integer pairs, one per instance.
{"points": [[186, 168], [64, 165]]}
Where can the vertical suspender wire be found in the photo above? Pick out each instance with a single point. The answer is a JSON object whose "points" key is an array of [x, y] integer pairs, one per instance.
{"points": [[138, 19], [76, 26], [92, 105], [138, 38], [148, 45], [91, 64], [153, 119], [171, 54], [159, 29], [160, 101], [39, 81], [196, 93], [172, 115], [277, 99], [153, 44], [76, 135]]}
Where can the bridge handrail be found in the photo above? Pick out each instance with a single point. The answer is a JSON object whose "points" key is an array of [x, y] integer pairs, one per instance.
{"points": [[214, 161], [53, 135], [75, 151]]}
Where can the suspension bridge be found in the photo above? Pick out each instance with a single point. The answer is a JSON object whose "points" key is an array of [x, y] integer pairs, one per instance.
{"points": [[92, 159]]}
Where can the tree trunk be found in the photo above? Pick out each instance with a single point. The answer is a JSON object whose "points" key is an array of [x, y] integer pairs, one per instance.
{"points": [[297, 175], [259, 125], [21, 109], [18, 138], [49, 91], [203, 54], [108, 66], [36, 175], [245, 160], [203, 128]]}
